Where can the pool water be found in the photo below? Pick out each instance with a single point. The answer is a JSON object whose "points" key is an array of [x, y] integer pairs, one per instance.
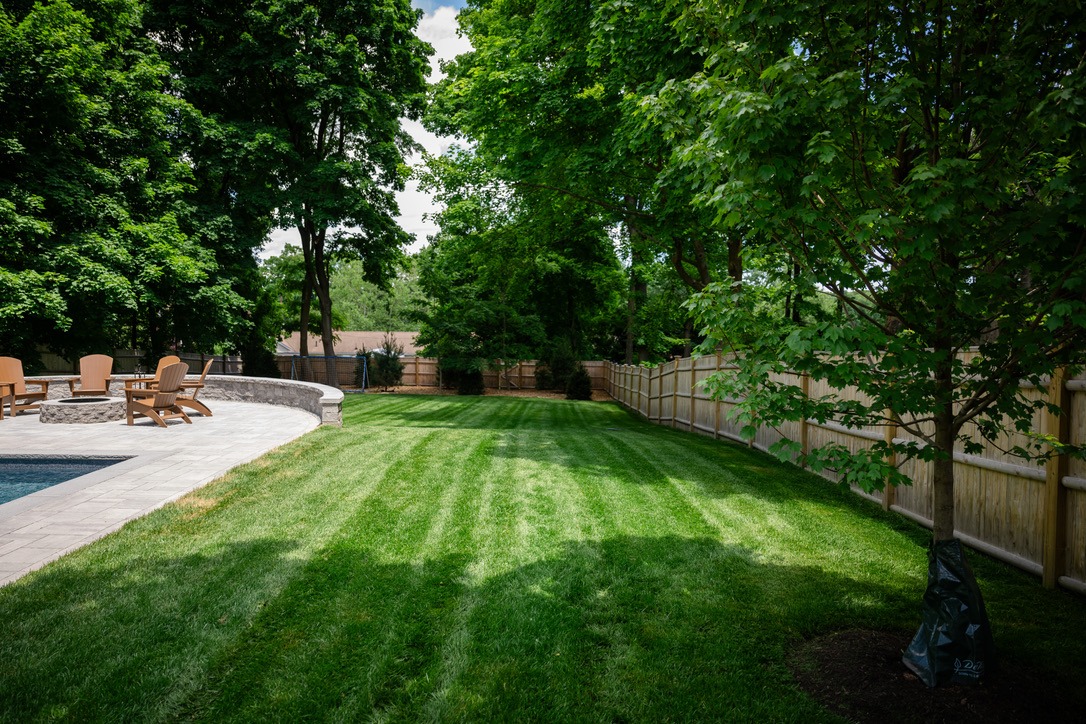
{"points": [[21, 476]]}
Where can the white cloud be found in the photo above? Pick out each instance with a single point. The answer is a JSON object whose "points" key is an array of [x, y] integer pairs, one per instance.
{"points": [[438, 28], [429, 6]]}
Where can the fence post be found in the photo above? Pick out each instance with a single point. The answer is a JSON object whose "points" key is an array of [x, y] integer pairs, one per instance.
{"points": [[716, 411], [1055, 532], [652, 373], [674, 392], [889, 433], [693, 379], [804, 429]]}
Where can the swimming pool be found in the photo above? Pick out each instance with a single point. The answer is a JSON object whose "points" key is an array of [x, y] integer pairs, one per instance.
{"points": [[23, 475]]}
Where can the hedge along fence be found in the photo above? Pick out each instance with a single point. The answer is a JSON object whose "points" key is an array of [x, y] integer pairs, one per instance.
{"points": [[1029, 515], [423, 372]]}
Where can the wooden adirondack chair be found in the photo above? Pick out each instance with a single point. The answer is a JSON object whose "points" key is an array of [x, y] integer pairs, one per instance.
{"points": [[170, 359], [94, 376], [11, 371], [149, 383], [159, 404], [189, 390]]}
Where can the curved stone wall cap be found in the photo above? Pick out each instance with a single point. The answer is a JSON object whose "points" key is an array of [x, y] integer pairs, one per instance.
{"points": [[328, 393]]}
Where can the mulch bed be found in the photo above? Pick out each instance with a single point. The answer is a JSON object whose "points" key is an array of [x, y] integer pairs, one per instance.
{"points": [[858, 674]]}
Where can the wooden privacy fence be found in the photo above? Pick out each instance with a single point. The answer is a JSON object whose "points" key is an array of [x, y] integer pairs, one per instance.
{"points": [[1031, 516], [314, 369], [125, 362], [423, 372]]}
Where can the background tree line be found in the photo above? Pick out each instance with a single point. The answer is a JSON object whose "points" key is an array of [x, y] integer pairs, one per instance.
{"points": [[148, 148]]}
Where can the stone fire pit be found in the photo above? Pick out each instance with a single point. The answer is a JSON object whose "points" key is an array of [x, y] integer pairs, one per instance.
{"points": [[82, 410]]}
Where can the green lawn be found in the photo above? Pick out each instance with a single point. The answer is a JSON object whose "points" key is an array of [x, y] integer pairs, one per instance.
{"points": [[485, 559]]}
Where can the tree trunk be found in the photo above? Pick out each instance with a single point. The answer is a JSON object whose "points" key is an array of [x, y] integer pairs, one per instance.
{"points": [[324, 299], [631, 314], [307, 303], [798, 296], [735, 258], [943, 467], [638, 286]]}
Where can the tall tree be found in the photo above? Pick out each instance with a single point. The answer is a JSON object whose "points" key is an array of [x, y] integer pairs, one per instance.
{"points": [[95, 251], [315, 91], [924, 164], [549, 96], [512, 273]]}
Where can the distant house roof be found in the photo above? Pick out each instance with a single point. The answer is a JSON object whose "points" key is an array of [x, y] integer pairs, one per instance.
{"points": [[350, 343]]}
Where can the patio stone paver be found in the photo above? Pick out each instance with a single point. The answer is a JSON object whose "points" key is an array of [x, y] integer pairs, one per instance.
{"points": [[166, 464]]}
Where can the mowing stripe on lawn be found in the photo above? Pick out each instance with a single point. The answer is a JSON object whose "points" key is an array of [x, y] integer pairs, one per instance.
{"points": [[356, 589], [484, 559]]}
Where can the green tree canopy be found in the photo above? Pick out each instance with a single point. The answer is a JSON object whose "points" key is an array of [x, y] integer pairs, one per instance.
{"points": [[95, 248], [924, 166], [313, 91], [550, 96], [511, 273]]}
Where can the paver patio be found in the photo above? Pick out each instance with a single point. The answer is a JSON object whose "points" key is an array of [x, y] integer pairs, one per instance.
{"points": [[166, 464]]}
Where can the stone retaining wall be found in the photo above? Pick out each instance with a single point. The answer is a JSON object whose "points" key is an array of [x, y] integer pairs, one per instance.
{"points": [[321, 400]]}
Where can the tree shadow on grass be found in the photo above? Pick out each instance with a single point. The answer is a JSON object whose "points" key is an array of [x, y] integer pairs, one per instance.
{"points": [[103, 633], [627, 629]]}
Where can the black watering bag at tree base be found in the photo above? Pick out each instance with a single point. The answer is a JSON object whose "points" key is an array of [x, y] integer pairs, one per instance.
{"points": [[954, 642]]}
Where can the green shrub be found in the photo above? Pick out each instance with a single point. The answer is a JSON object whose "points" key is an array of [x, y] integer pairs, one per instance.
{"points": [[470, 383], [579, 386], [544, 380], [562, 365], [386, 369]]}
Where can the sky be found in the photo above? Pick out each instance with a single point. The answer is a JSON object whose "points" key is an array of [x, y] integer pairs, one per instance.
{"points": [[438, 28]]}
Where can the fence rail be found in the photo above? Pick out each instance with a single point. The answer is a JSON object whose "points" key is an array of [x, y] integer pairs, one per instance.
{"points": [[1031, 516], [423, 372]]}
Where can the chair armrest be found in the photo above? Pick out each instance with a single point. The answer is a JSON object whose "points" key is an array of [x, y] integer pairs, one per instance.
{"points": [[134, 393], [43, 384]]}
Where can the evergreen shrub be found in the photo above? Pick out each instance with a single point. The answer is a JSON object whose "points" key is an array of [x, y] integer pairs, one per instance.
{"points": [[579, 386], [471, 383], [544, 380], [386, 369]]}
